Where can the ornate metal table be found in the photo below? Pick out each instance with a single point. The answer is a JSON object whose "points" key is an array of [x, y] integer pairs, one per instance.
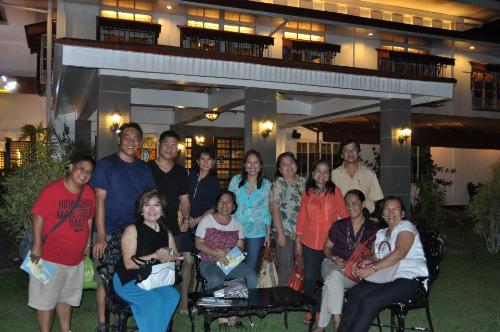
{"points": [[260, 302]]}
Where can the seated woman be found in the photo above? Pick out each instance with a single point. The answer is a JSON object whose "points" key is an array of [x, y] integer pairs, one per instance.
{"points": [[147, 239], [216, 235], [344, 236], [367, 299]]}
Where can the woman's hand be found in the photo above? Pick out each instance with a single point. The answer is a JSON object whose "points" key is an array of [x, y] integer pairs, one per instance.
{"points": [[36, 252], [280, 238], [364, 272], [298, 247], [338, 261], [221, 256], [165, 255], [267, 240]]}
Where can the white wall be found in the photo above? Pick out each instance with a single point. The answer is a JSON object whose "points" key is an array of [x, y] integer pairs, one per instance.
{"points": [[17, 110], [471, 166], [80, 20], [15, 54]]}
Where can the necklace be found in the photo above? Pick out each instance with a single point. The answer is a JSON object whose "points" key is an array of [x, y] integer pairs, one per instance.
{"points": [[155, 227], [353, 244]]}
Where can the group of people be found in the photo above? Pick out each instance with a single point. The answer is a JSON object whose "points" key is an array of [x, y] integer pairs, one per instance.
{"points": [[167, 213]]}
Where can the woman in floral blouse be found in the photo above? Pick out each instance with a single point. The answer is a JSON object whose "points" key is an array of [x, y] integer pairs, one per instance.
{"points": [[284, 199], [252, 197]]}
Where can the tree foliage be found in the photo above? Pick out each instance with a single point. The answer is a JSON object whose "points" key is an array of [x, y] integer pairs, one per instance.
{"points": [[484, 209]]}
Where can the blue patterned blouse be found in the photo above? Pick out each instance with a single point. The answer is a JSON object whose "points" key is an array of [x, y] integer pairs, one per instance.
{"points": [[253, 210]]}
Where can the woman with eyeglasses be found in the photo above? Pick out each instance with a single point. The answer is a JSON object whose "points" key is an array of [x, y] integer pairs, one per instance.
{"points": [[343, 238], [367, 299], [252, 197], [321, 205]]}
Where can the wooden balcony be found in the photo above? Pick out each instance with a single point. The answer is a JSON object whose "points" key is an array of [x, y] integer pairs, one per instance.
{"points": [[309, 51], [128, 32], [414, 64], [225, 41]]}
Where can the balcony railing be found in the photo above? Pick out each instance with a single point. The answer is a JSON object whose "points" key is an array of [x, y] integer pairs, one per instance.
{"points": [[422, 65], [309, 51], [125, 31], [225, 41]]}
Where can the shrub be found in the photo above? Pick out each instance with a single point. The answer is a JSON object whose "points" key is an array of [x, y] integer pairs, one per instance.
{"points": [[484, 209], [44, 161]]}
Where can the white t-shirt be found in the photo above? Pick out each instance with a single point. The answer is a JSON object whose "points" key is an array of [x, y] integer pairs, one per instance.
{"points": [[209, 222], [414, 264]]}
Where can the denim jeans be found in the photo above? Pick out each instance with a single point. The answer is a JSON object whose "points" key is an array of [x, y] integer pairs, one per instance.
{"points": [[253, 248], [215, 276]]}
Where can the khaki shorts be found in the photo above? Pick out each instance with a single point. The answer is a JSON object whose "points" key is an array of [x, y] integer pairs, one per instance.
{"points": [[65, 286]]}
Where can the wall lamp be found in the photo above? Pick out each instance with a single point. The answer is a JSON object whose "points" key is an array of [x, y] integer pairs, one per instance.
{"points": [[212, 115], [116, 120], [267, 126], [404, 133], [199, 140]]}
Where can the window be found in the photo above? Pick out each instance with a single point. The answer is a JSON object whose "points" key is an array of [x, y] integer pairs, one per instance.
{"points": [[304, 31], [126, 16], [208, 18], [188, 153], [148, 150], [122, 30], [3, 17], [229, 158], [307, 155], [485, 86]]}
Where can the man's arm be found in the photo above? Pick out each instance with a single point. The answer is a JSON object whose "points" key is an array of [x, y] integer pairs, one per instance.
{"points": [[100, 215], [37, 230]]}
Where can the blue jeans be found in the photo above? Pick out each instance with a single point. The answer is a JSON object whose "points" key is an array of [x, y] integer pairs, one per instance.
{"points": [[253, 248], [152, 309], [215, 276]]}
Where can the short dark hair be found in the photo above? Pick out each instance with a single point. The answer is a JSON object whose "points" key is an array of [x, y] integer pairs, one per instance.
{"points": [[393, 198], [361, 196], [169, 133], [280, 157], [209, 149], [311, 183], [144, 199], [134, 125], [233, 197], [78, 157], [348, 141], [244, 174]]}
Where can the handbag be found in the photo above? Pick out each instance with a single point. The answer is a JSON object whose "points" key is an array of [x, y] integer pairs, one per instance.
{"points": [[27, 242], [153, 274], [361, 252], [386, 274], [88, 274], [297, 280], [268, 275]]}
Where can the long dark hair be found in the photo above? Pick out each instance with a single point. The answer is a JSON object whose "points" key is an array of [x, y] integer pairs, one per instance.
{"points": [[244, 174], [146, 197], [280, 157], [359, 194], [311, 183]]}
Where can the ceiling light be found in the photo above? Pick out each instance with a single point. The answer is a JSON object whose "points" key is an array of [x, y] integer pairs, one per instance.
{"points": [[472, 47], [212, 115], [180, 106], [370, 33], [169, 7]]}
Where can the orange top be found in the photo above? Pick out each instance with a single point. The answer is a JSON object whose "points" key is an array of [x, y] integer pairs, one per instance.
{"points": [[317, 214]]}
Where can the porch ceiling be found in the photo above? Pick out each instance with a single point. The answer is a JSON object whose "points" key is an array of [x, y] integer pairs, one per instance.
{"points": [[427, 130], [189, 71]]}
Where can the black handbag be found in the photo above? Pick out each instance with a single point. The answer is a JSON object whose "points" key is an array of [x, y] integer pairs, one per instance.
{"points": [[145, 269]]}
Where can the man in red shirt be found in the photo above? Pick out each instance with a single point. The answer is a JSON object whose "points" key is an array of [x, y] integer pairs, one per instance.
{"points": [[65, 246]]}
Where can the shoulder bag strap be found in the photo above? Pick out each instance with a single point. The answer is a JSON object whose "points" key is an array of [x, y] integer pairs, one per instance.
{"points": [[66, 216]]}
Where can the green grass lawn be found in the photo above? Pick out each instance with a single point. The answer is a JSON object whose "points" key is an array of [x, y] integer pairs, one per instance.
{"points": [[466, 297]]}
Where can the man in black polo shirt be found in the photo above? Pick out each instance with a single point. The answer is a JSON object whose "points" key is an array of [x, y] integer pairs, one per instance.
{"points": [[172, 181]]}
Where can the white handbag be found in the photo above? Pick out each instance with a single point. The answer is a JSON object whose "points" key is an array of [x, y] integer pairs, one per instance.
{"points": [[162, 274]]}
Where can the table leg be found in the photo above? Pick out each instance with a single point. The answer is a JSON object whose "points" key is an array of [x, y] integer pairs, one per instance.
{"points": [[190, 310], [285, 318], [206, 323]]}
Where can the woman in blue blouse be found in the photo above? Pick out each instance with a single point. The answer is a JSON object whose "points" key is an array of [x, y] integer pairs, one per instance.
{"points": [[252, 198]]}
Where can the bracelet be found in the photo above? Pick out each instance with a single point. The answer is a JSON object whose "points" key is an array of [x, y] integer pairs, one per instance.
{"points": [[374, 268]]}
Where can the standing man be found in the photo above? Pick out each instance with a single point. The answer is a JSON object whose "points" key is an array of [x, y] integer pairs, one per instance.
{"points": [[119, 179], [172, 181], [68, 203], [352, 174]]}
